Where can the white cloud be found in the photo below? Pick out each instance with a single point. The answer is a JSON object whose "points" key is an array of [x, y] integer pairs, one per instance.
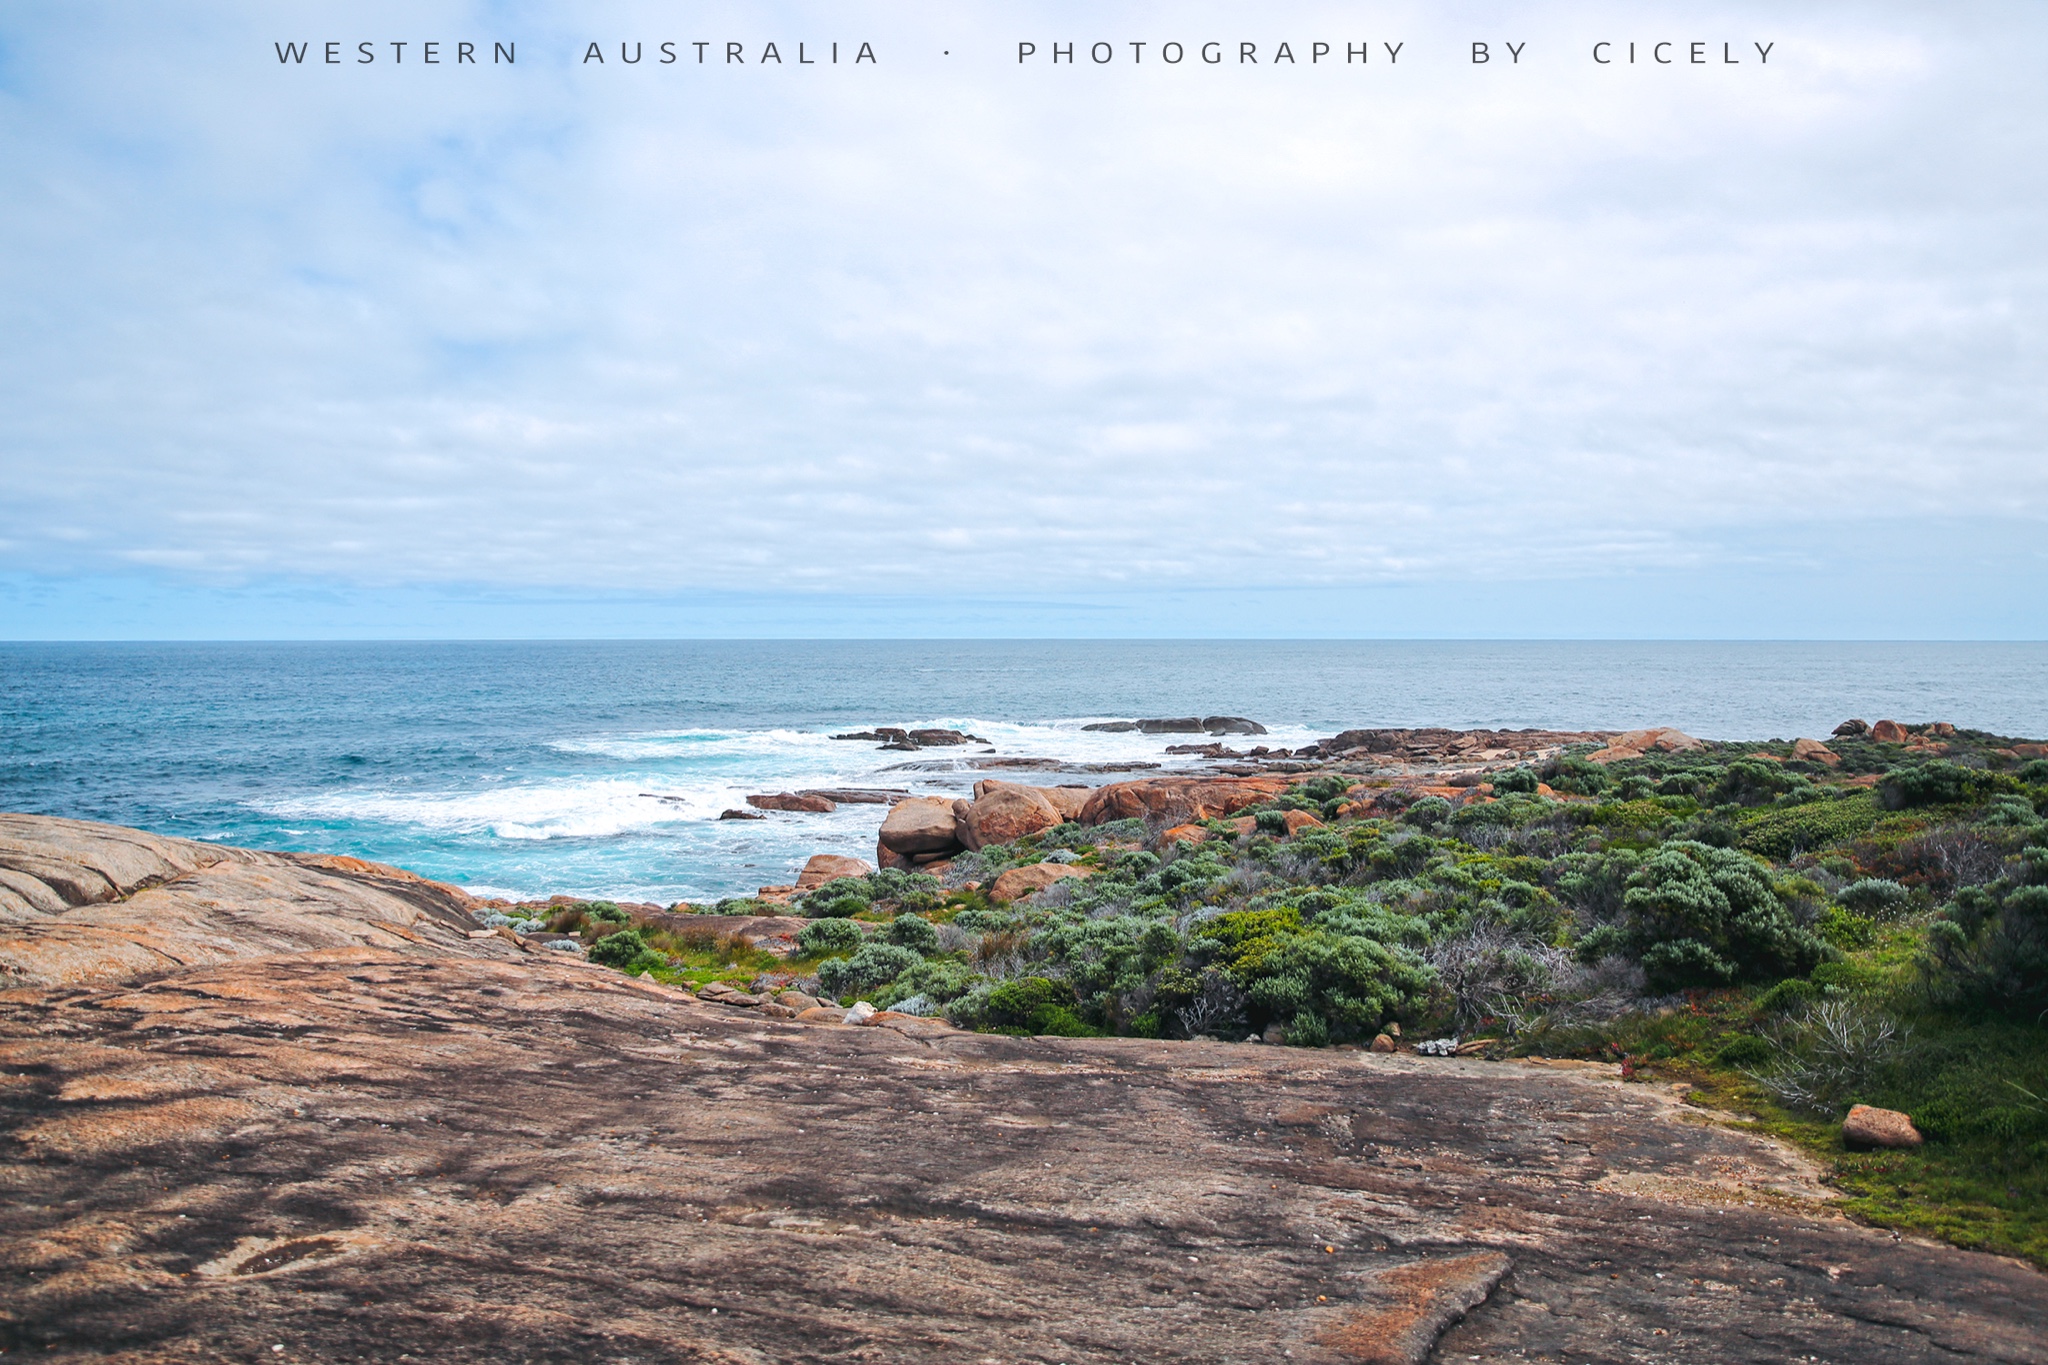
{"points": [[685, 328]]}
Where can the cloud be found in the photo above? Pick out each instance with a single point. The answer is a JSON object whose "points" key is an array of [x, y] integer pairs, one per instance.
{"points": [[955, 320]]}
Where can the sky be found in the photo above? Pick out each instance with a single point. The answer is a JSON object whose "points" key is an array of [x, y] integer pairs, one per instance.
{"points": [[952, 343]]}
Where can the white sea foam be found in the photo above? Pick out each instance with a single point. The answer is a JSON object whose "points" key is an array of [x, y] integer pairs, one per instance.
{"points": [[565, 809]]}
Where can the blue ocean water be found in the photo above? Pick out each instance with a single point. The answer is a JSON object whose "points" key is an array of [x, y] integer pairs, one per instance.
{"points": [[599, 768]]}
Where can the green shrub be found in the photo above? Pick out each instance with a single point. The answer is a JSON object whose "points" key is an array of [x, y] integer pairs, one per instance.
{"points": [[605, 912], [1844, 928], [1874, 897], [1273, 822], [1035, 1005], [1989, 949], [1939, 783], [1704, 916], [842, 898], [1576, 777], [1815, 824], [1519, 780], [1745, 1050], [627, 951], [1754, 782], [872, 965], [1790, 994], [1430, 810], [913, 932], [829, 936]]}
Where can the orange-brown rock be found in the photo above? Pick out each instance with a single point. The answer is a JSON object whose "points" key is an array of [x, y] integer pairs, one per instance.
{"points": [[1636, 743], [369, 1153], [825, 867], [1867, 1126], [1003, 814], [1178, 800], [82, 902], [923, 824], [1813, 751], [1299, 820], [792, 801], [1184, 834], [1020, 882], [1889, 732]]}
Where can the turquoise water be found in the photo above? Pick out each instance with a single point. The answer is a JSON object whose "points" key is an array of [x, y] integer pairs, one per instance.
{"points": [[600, 768]]}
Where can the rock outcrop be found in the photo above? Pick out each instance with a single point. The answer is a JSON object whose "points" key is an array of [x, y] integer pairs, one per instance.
{"points": [[826, 867], [88, 903], [1813, 751], [368, 1153], [1019, 882], [1889, 732], [1636, 743], [792, 801], [1003, 814], [1175, 801]]}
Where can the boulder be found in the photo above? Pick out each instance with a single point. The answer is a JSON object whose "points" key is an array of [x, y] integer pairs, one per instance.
{"points": [[1299, 820], [1231, 725], [1171, 725], [926, 739], [1850, 729], [741, 815], [923, 824], [1020, 882], [1888, 732], [1636, 743], [858, 796], [1384, 1043], [1113, 727], [826, 867], [822, 1014], [798, 1000], [861, 1012], [1004, 814], [814, 805], [1183, 834], [1178, 801], [1813, 751], [1867, 1126]]}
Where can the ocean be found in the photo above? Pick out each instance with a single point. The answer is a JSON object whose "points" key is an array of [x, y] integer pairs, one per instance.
{"points": [[600, 768]]}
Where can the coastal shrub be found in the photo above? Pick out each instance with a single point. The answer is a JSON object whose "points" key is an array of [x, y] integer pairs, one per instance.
{"points": [[1754, 782], [1273, 822], [1831, 1056], [872, 965], [939, 980], [1035, 1005], [627, 951], [829, 936], [605, 912], [1874, 897], [1287, 968], [1939, 783], [983, 920], [918, 892], [1576, 776], [914, 932], [2034, 772], [2009, 811], [841, 898], [1428, 812], [1989, 948], [1519, 780], [1487, 971], [1703, 916], [1816, 824]]}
